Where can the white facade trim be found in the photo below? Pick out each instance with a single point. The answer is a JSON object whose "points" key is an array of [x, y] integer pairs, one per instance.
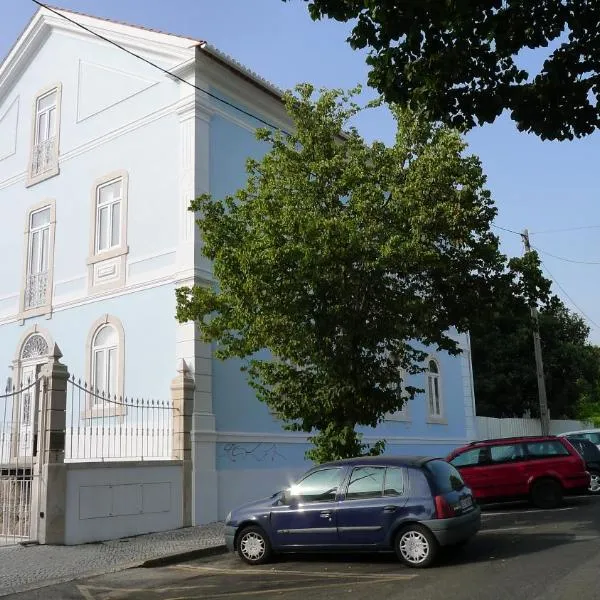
{"points": [[302, 438], [160, 47]]}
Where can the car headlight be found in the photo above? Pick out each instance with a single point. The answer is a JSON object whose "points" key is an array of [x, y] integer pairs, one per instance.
{"points": [[228, 519]]}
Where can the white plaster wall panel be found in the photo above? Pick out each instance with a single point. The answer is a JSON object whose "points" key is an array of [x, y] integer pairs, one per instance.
{"points": [[108, 501], [94, 501], [9, 305], [101, 87], [156, 497], [9, 119]]}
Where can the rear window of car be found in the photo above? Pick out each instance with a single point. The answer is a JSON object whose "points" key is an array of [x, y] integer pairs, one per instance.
{"points": [[545, 449], [445, 477], [593, 437], [587, 449]]}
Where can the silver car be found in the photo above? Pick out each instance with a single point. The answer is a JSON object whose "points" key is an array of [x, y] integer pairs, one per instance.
{"points": [[589, 434]]}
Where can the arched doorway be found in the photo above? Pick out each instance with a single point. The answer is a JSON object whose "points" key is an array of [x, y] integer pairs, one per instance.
{"points": [[32, 354]]}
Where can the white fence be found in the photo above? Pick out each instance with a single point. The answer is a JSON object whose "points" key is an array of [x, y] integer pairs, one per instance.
{"points": [[490, 428], [102, 428]]}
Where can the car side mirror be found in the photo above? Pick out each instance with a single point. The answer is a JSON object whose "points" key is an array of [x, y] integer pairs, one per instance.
{"points": [[287, 498]]}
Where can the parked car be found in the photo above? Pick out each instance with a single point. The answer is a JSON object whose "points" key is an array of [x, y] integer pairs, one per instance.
{"points": [[411, 505], [541, 468], [591, 455], [590, 434]]}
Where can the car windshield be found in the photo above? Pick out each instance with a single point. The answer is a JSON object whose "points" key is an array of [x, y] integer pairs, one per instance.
{"points": [[445, 477]]}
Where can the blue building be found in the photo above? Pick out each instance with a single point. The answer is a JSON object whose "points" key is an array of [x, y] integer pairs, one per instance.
{"points": [[100, 155]]}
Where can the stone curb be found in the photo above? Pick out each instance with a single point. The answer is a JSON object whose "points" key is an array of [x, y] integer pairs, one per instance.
{"points": [[177, 557]]}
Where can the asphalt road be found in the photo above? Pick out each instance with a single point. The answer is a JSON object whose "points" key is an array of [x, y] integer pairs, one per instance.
{"points": [[520, 554]]}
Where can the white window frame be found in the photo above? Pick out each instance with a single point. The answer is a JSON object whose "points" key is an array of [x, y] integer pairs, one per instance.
{"points": [[44, 308], [52, 143], [111, 260], [404, 413], [94, 408], [430, 379]]}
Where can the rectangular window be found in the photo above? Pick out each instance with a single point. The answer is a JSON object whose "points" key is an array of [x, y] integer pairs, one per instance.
{"points": [[545, 449], [365, 482], [36, 287], [506, 453], [45, 121], [108, 215], [394, 481], [319, 486], [46, 124]]}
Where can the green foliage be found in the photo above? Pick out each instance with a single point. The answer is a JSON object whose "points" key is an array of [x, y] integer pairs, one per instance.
{"points": [[335, 256], [459, 59], [504, 362]]}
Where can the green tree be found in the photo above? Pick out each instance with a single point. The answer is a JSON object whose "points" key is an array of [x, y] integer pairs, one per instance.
{"points": [[335, 255], [504, 363], [459, 59]]}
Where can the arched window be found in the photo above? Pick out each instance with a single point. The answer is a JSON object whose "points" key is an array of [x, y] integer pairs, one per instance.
{"points": [[105, 366], [105, 348], [434, 390]]}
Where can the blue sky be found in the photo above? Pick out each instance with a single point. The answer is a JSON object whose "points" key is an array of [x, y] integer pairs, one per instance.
{"points": [[539, 185]]}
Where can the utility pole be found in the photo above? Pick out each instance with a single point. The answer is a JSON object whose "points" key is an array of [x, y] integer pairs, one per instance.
{"points": [[537, 347]]}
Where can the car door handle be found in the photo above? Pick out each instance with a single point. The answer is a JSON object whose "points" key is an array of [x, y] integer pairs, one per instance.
{"points": [[325, 515], [390, 509]]}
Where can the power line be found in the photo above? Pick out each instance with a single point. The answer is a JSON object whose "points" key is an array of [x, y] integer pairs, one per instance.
{"points": [[569, 260], [583, 314], [565, 229], [165, 71], [506, 229]]}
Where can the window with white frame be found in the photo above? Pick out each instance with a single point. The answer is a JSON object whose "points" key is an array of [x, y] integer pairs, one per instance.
{"points": [[36, 288], [105, 348], [109, 198], [434, 393], [38, 260], [44, 151], [105, 366]]}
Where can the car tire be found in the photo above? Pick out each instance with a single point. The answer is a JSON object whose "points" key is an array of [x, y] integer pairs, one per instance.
{"points": [[416, 546], [253, 546], [546, 494], [594, 483]]}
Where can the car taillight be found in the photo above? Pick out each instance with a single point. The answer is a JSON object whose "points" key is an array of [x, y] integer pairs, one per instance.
{"points": [[443, 510]]}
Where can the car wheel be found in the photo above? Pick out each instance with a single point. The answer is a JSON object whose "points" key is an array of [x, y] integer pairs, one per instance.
{"points": [[416, 546], [253, 546], [594, 482], [546, 493]]}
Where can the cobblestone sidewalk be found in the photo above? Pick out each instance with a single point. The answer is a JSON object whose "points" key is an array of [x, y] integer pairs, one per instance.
{"points": [[28, 567]]}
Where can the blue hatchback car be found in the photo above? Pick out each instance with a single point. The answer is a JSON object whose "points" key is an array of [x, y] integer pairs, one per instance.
{"points": [[411, 505]]}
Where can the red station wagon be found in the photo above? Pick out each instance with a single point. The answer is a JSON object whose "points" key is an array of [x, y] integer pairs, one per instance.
{"points": [[541, 468]]}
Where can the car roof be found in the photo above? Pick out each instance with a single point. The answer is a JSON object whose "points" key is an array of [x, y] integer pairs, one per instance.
{"points": [[579, 438], [389, 460], [593, 430], [508, 440]]}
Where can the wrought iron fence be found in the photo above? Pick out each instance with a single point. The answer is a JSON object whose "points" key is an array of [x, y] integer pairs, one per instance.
{"points": [[36, 289], [18, 448], [107, 428], [44, 156]]}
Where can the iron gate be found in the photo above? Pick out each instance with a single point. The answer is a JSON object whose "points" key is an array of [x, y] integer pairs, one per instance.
{"points": [[18, 461]]}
